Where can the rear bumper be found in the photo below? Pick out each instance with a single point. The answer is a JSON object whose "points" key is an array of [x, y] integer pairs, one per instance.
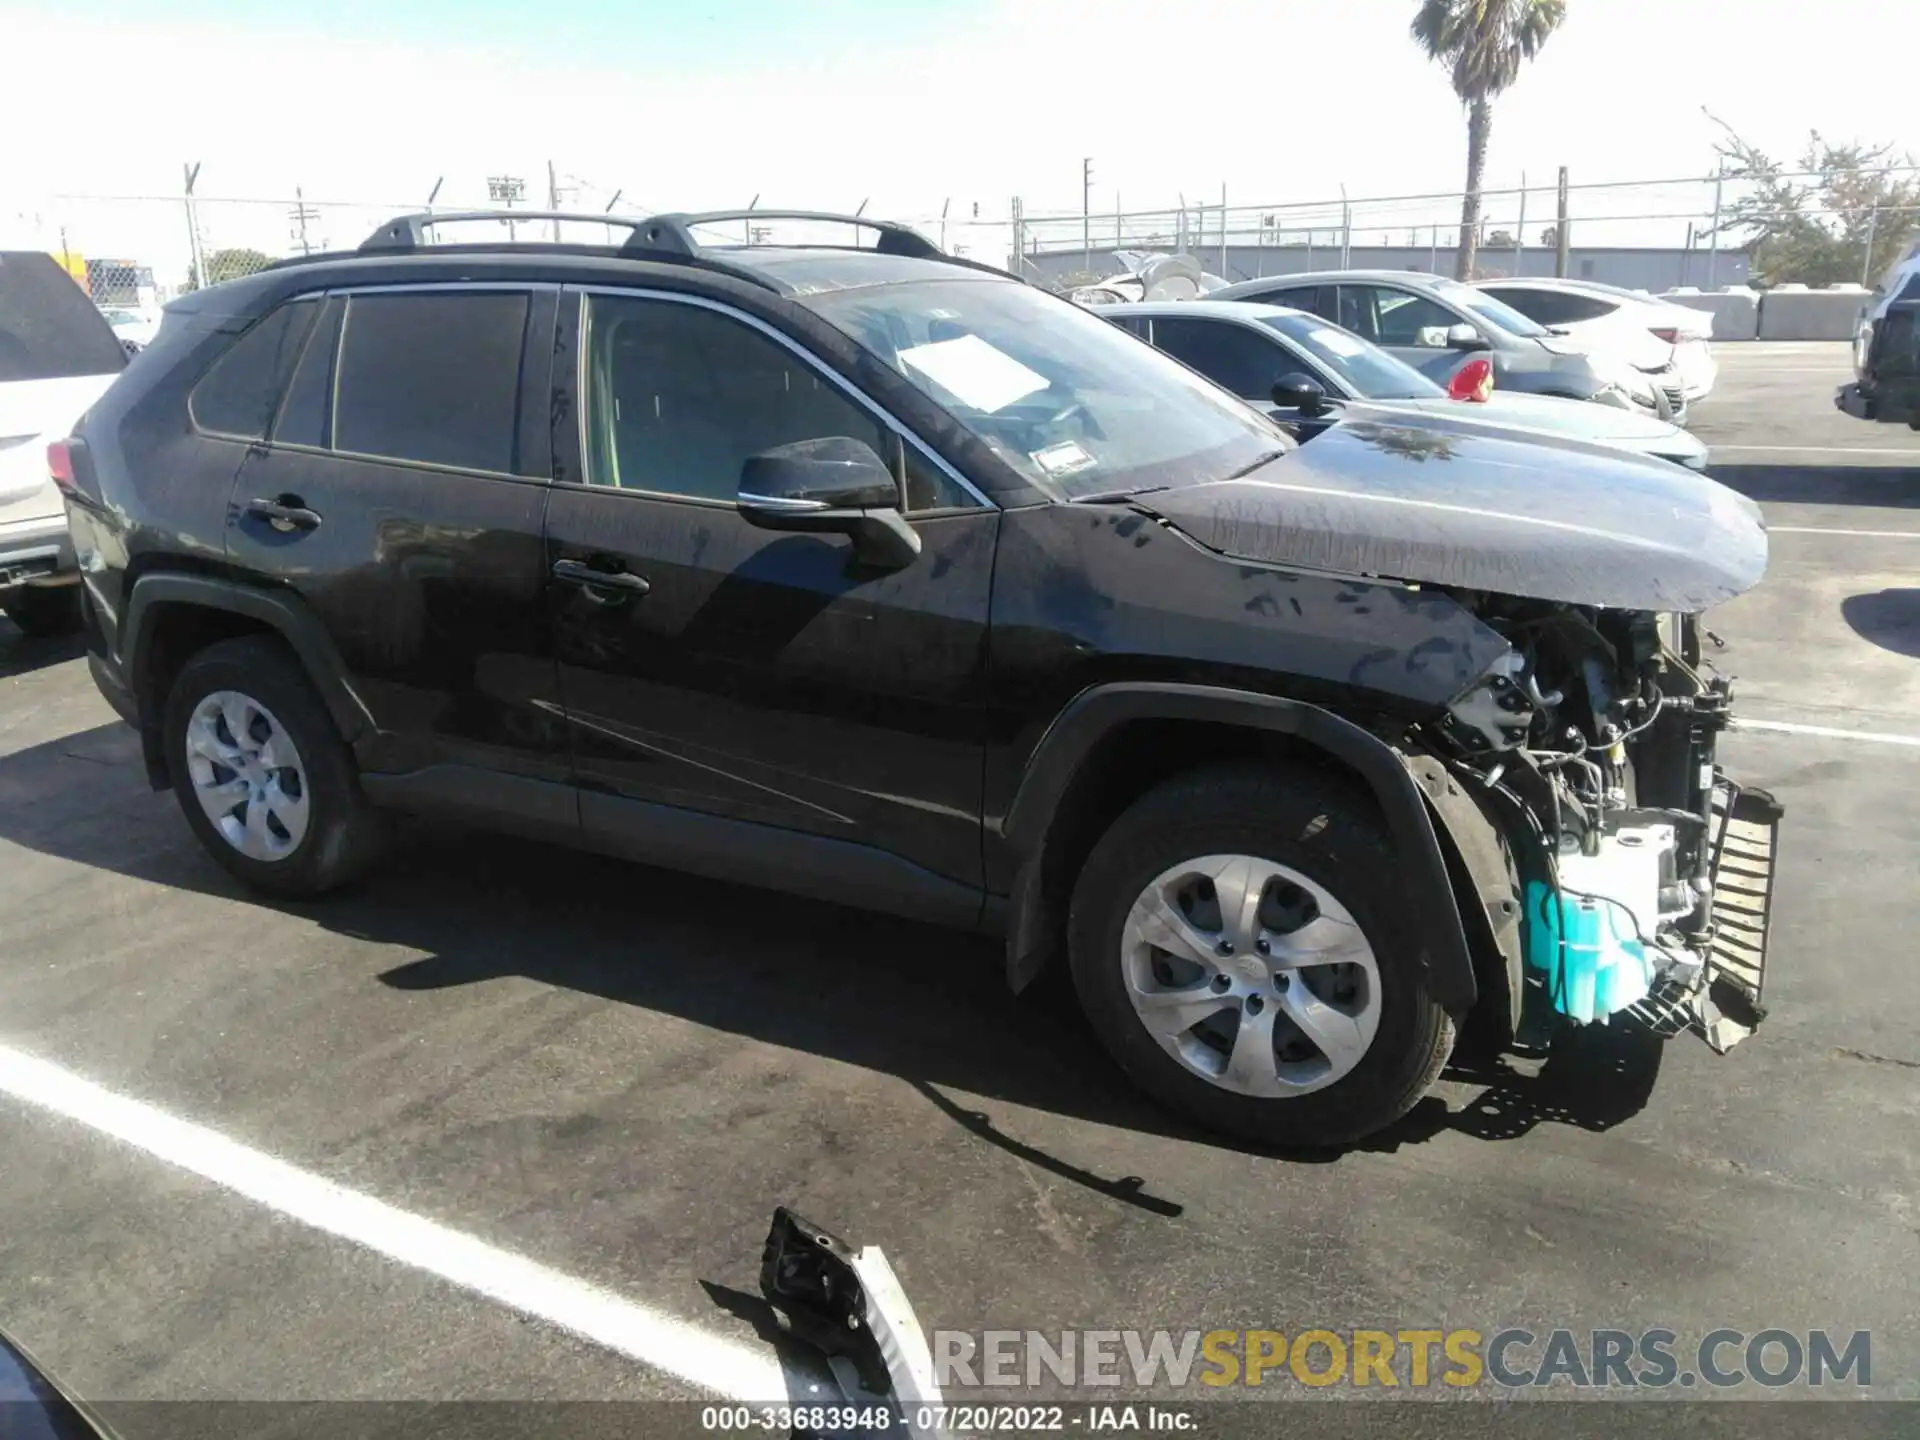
{"points": [[1850, 399], [35, 551]]}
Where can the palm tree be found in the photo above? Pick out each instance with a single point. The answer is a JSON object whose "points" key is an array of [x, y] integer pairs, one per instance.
{"points": [[1483, 44]]}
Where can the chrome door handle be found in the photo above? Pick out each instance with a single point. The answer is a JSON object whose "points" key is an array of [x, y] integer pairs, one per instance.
{"points": [[286, 514], [578, 572]]}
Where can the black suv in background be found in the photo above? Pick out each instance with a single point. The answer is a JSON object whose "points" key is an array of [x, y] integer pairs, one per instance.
{"points": [[879, 576]]}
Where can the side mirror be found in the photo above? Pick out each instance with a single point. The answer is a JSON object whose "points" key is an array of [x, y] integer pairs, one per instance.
{"points": [[834, 486], [1295, 391], [1465, 337]]}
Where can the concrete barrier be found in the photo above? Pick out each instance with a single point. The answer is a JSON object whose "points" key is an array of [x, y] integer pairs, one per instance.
{"points": [[1793, 312], [1735, 311]]}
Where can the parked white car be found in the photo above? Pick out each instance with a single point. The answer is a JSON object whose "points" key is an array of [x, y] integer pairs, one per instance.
{"points": [[1606, 316], [133, 327], [57, 356]]}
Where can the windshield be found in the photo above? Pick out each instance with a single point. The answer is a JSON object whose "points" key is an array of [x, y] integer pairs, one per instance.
{"points": [[1076, 405], [1372, 373], [1490, 309]]}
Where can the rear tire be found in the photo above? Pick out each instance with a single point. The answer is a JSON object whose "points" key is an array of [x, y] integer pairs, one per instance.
{"points": [[262, 775], [1314, 855], [44, 611]]}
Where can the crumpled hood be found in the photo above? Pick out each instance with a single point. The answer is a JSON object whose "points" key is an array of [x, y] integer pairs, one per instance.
{"points": [[1464, 506]]}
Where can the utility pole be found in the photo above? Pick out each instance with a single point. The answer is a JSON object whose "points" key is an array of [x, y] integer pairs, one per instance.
{"points": [[1086, 211], [945, 205], [300, 215], [1520, 230], [1873, 224], [192, 173], [1562, 225], [1713, 235], [553, 199], [1223, 231], [505, 189]]}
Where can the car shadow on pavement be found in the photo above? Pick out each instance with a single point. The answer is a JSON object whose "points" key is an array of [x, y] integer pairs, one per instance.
{"points": [[1888, 618], [927, 1005], [1889, 487], [20, 653]]}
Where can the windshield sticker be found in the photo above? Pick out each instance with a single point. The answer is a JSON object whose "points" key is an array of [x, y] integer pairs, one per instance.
{"points": [[974, 373], [1066, 458], [1339, 342]]}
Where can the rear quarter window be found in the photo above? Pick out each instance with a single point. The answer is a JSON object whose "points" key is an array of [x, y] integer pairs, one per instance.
{"points": [[49, 329], [240, 393]]}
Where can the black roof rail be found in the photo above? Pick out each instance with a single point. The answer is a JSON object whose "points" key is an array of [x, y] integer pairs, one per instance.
{"points": [[409, 232], [895, 238], [651, 236]]}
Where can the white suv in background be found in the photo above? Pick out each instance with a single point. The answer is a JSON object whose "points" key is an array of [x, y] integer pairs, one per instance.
{"points": [[57, 356], [1608, 315]]}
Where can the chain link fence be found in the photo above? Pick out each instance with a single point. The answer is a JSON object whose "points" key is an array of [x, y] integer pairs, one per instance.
{"points": [[137, 252], [1643, 234]]}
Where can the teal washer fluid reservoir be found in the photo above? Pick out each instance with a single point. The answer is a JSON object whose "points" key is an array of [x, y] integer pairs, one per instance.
{"points": [[1589, 951]]}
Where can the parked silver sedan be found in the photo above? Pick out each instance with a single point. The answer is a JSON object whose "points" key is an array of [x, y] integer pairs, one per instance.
{"points": [[1310, 374]]}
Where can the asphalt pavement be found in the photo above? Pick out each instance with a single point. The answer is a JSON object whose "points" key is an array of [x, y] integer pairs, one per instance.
{"points": [[593, 1082]]}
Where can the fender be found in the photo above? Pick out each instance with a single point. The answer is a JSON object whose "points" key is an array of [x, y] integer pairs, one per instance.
{"points": [[1487, 870], [1092, 714], [282, 612]]}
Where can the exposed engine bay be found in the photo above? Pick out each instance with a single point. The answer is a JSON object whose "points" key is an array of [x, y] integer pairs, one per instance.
{"points": [[1644, 873]]}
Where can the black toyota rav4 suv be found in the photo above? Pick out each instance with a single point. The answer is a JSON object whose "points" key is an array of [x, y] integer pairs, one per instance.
{"points": [[872, 574]]}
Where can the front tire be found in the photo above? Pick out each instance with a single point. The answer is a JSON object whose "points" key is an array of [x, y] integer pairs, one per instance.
{"points": [[44, 612], [1240, 946], [264, 779]]}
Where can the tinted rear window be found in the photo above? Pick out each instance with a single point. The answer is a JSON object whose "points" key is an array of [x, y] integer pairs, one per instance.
{"points": [[48, 327], [431, 377], [239, 394]]}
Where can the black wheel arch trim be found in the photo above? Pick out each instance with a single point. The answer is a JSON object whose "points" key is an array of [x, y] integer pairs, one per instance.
{"points": [[1071, 738], [282, 612]]}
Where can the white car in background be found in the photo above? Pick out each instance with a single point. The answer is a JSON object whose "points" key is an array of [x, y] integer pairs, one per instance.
{"points": [[1609, 317], [57, 356], [133, 327]]}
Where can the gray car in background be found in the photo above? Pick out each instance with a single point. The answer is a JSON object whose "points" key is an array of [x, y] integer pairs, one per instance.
{"points": [[1310, 375], [1437, 325]]}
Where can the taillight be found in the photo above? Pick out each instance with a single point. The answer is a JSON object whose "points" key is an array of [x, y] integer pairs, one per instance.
{"points": [[1668, 334], [60, 464]]}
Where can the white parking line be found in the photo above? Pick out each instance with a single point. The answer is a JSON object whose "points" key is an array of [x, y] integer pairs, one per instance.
{"points": [[1912, 452], [1787, 727], [657, 1340], [1822, 530]]}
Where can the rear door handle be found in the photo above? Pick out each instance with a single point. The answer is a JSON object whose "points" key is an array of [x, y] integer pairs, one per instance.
{"points": [[578, 572], [286, 514]]}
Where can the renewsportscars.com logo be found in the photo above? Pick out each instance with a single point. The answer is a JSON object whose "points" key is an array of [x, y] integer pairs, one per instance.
{"points": [[1392, 1359]]}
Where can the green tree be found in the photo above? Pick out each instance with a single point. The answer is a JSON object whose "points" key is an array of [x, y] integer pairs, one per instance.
{"points": [[1842, 216], [227, 265], [1483, 44]]}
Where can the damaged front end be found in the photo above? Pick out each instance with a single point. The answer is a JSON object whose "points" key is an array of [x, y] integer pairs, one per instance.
{"points": [[1643, 874]]}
